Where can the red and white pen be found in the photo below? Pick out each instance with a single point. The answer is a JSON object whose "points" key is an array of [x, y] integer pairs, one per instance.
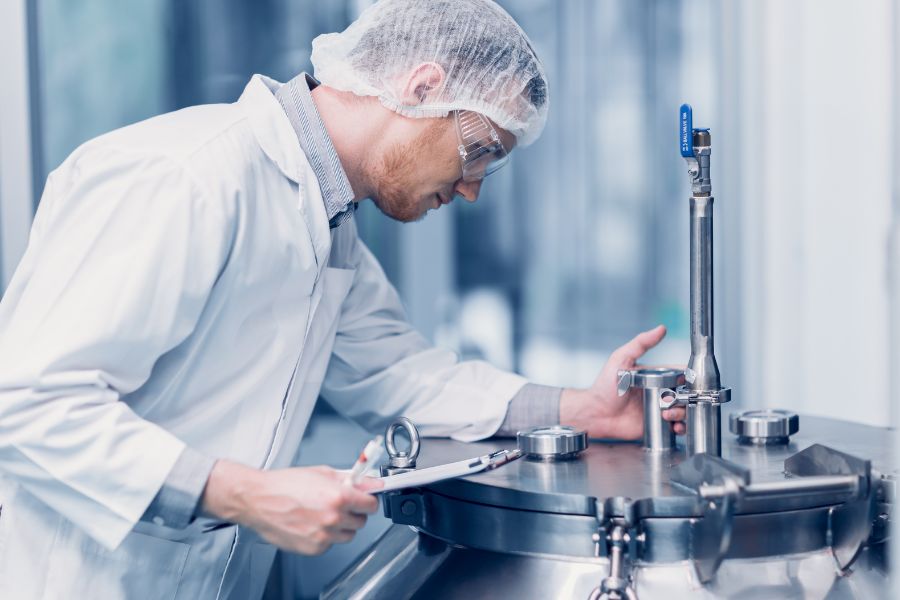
{"points": [[368, 458]]}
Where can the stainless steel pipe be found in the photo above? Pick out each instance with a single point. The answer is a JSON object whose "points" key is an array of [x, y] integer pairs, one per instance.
{"points": [[658, 434], [704, 428], [703, 372], [703, 393], [802, 486]]}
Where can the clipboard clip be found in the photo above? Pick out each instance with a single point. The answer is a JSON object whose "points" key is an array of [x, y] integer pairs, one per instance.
{"points": [[402, 498], [497, 459]]}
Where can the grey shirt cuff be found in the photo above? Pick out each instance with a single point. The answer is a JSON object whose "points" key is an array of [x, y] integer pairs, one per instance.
{"points": [[176, 502], [534, 405]]}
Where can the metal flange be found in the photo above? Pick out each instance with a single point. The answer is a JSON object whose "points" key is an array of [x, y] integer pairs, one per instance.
{"points": [[552, 442], [764, 427]]}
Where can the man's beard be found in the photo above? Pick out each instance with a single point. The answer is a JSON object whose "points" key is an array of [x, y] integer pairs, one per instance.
{"points": [[393, 195]]}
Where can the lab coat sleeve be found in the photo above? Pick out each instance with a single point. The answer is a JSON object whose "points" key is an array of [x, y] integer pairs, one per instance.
{"points": [[533, 406], [175, 504], [123, 253], [382, 368]]}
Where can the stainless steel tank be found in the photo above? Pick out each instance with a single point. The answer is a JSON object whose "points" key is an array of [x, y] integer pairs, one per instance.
{"points": [[768, 512], [806, 519]]}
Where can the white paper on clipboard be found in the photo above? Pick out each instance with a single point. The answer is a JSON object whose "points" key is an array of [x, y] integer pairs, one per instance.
{"points": [[420, 477]]}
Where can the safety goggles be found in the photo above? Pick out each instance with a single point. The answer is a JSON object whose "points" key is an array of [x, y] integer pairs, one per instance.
{"points": [[480, 148]]}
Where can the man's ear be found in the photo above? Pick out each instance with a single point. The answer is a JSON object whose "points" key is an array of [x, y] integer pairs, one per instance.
{"points": [[422, 80]]}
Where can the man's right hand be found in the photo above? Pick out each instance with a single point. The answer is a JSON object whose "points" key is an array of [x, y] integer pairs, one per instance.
{"points": [[302, 509]]}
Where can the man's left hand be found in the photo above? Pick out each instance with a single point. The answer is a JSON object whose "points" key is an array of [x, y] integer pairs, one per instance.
{"points": [[601, 412]]}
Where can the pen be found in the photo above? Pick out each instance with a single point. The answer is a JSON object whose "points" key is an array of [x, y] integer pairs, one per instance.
{"points": [[369, 456]]}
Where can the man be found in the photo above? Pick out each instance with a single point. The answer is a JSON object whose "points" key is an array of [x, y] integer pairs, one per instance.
{"points": [[195, 281]]}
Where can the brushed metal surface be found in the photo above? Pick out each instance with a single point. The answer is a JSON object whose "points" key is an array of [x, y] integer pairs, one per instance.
{"points": [[616, 469]]}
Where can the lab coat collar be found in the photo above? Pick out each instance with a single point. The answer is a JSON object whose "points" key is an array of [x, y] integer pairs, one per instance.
{"points": [[296, 99], [271, 126], [276, 136]]}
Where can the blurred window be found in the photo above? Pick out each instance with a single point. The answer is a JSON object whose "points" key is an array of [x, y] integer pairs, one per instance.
{"points": [[565, 254]]}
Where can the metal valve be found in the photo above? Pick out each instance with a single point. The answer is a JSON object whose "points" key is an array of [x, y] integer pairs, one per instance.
{"points": [[703, 393], [616, 585]]}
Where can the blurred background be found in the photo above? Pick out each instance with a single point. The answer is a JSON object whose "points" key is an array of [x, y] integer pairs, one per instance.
{"points": [[582, 241]]}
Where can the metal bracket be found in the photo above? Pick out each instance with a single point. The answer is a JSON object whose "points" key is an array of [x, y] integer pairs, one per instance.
{"points": [[405, 508], [719, 485], [822, 460], [849, 527], [711, 535], [849, 524], [706, 469]]}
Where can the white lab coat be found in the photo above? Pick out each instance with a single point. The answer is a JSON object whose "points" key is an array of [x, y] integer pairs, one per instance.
{"points": [[181, 286]]}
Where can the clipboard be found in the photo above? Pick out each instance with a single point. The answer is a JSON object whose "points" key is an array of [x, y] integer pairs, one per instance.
{"points": [[420, 477], [429, 475]]}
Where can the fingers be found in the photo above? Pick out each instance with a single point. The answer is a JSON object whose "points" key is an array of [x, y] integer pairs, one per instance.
{"points": [[354, 506], [336, 526], [369, 484], [358, 501], [307, 509], [675, 415], [343, 536], [349, 522], [328, 472], [625, 356]]}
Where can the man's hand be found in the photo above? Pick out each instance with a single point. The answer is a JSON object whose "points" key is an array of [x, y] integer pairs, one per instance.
{"points": [[303, 510], [601, 411]]}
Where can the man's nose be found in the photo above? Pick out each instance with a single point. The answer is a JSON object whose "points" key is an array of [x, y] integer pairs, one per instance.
{"points": [[467, 189]]}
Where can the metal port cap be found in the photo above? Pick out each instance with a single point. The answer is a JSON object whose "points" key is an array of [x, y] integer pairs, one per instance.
{"points": [[656, 378], [648, 378], [764, 426], [552, 442]]}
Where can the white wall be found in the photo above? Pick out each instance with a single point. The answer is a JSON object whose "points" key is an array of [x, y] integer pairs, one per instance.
{"points": [[814, 134]]}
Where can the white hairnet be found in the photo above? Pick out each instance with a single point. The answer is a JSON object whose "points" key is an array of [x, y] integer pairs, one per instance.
{"points": [[488, 61]]}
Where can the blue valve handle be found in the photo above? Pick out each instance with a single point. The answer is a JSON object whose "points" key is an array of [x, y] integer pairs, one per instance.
{"points": [[687, 131]]}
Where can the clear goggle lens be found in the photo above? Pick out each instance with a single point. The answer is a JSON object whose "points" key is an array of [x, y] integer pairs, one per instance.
{"points": [[480, 148]]}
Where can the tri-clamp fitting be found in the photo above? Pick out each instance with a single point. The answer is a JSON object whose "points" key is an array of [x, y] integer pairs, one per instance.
{"points": [[702, 393], [655, 384]]}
